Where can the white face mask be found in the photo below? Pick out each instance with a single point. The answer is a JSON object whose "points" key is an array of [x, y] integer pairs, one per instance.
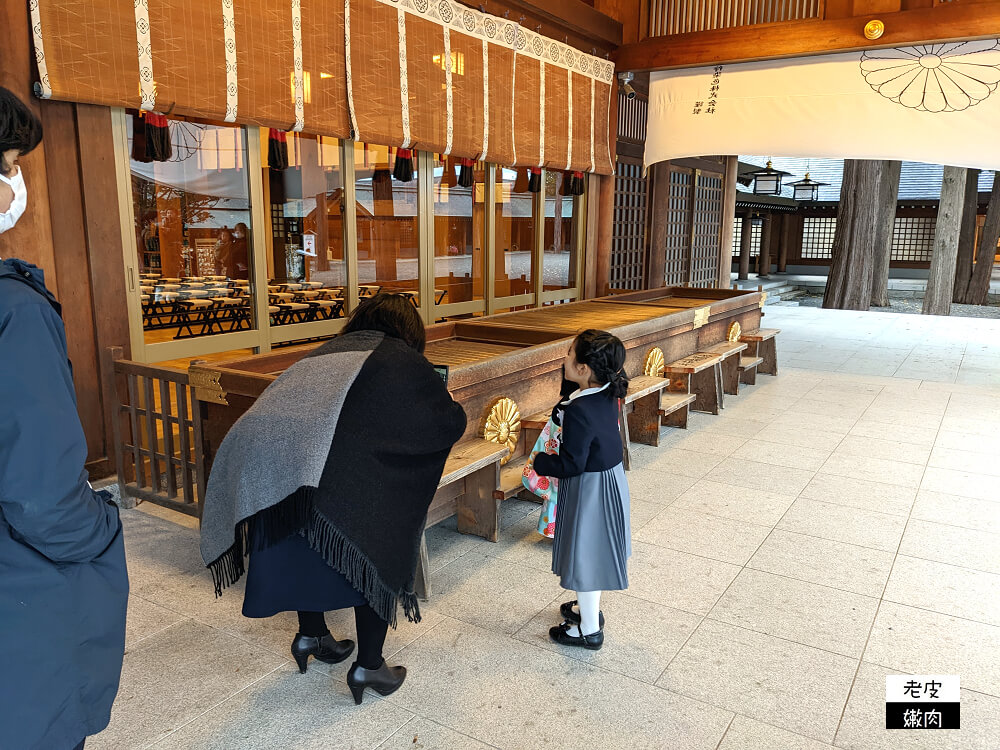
{"points": [[17, 206]]}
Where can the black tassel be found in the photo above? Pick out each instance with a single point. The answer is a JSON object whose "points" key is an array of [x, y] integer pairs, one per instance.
{"points": [[403, 169], [466, 177], [139, 151], [158, 146], [277, 149], [576, 183], [535, 180]]}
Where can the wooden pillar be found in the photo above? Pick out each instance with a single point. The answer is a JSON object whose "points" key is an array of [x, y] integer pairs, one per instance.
{"points": [[659, 206], [605, 232], [764, 260], [724, 279], [31, 239], [322, 249], [746, 236], [849, 285], [787, 227], [967, 237], [941, 280]]}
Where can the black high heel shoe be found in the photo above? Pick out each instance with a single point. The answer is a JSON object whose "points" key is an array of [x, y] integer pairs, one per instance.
{"points": [[385, 680], [326, 648]]}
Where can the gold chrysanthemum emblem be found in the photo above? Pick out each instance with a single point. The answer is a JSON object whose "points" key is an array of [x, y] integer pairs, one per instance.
{"points": [[654, 363], [503, 425]]}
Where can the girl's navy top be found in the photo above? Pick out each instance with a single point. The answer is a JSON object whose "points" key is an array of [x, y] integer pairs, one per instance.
{"points": [[591, 441]]}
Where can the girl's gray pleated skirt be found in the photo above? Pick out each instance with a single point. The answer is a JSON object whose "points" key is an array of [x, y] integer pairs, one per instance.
{"points": [[593, 538]]}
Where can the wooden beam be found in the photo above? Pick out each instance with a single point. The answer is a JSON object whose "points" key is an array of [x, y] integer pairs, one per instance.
{"points": [[724, 278], [573, 21], [944, 23], [656, 238]]}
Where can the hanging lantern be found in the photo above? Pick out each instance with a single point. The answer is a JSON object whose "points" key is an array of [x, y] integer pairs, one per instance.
{"points": [[807, 189], [466, 175], [767, 181], [403, 169], [277, 149]]}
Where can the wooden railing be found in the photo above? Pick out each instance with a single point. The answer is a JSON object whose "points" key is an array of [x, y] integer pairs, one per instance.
{"points": [[668, 17], [157, 433]]}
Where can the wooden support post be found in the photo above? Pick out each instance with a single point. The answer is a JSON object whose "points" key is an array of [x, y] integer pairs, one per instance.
{"points": [[724, 279], [746, 236], [605, 233], [659, 207], [886, 221], [980, 284], [478, 509], [764, 260], [967, 237], [941, 280], [643, 416], [787, 224]]}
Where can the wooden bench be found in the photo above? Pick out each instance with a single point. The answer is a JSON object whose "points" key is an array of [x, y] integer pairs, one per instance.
{"points": [[467, 489], [729, 352], [748, 369], [763, 343], [647, 407], [699, 374]]}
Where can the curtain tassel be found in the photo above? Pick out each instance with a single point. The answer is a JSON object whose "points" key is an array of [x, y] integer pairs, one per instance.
{"points": [[466, 177], [575, 183], [403, 169], [535, 180], [277, 149]]}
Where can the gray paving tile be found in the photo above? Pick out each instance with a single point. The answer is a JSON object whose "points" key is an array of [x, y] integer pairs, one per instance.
{"points": [[983, 515], [945, 588], [685, 463], [980, 486], [892, 450], [677, 579], [172, 678], [445, 543], [842, 524], [860, 493], [798, 611], [796, 687], [640, 637], [917, 435], [144, 619], [874, 469], [749, 734], [656, 486], [424, 734], [863, 726], [492, 593], [156, 548], [518, 696], [793, 456], [953, 545], [804, 437], [921, 642], [704, 442], [841, 425], [965, 460], [843, 566], [963, 441], [700, 534], [758, 476], [286, 709], [760, 507]]}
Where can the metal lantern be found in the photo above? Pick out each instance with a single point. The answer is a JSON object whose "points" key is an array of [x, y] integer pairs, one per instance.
{"points": [[767, 181], [807, 189]]}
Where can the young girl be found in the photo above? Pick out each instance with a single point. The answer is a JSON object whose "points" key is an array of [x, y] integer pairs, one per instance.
{"points": [[593, 537]]}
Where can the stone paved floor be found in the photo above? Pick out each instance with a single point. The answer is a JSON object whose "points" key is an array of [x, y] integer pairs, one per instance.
{"points": [[837, 523], [914, 307]]}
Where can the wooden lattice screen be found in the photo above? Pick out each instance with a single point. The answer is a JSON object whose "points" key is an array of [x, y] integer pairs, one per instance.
{"points": [[755, 227], [705, 235], [678, 227], [668, 17], [628, 239]]}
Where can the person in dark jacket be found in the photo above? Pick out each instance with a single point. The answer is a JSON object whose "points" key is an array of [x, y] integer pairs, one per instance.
{"points": [[63, 581], [326, 480]]}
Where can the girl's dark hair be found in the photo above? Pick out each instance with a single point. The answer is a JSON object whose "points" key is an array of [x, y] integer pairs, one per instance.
{"points": [[19, 128], [605, 355], [392, 314]]}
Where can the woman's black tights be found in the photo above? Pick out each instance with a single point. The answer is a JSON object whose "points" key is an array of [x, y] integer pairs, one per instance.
{"points": [[371, 633]]}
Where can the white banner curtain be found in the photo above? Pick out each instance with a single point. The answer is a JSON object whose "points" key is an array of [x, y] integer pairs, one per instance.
{"points": [[931, 103]]}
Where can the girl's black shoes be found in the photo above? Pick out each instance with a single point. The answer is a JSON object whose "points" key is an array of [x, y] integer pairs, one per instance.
{"points": [[384, 680], [566, 610], [592, 642], [325, 648]]}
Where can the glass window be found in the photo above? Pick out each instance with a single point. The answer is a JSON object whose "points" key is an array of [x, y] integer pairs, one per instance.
{"points": [[388, 236], [191, 203], [561, 241], [459, 229], [515, 233], [305, 197]]}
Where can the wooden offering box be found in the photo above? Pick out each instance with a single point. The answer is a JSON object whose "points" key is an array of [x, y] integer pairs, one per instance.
{"points": [[514, 355]]}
